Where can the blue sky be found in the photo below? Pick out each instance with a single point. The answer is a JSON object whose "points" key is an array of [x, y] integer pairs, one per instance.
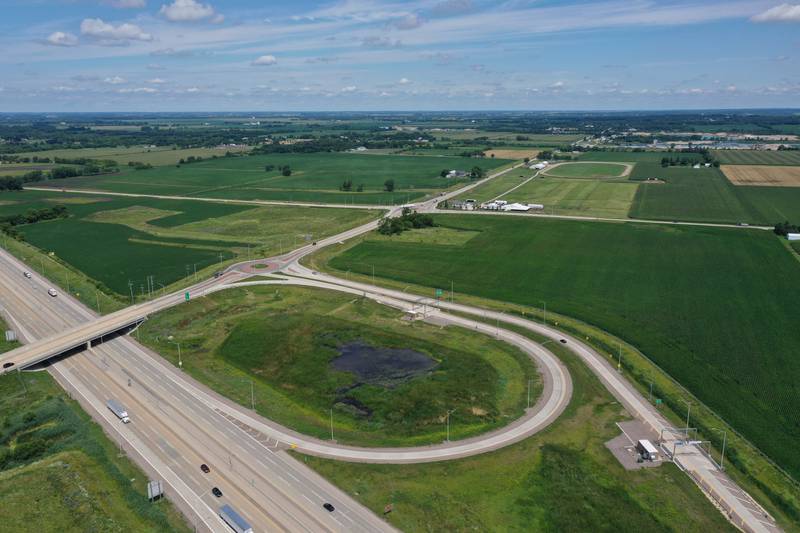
{"points": [[190, 55]]}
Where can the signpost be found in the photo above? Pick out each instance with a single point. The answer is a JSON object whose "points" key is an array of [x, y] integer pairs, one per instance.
{"points": [[187, 296]]}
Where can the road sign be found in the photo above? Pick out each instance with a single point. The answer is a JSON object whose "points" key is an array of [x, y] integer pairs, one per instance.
{"points": [[658, 401], [439, 293], [187, 296]]}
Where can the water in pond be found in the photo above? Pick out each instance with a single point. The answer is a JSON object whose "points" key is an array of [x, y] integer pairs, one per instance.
{"points": [[381, 366]]}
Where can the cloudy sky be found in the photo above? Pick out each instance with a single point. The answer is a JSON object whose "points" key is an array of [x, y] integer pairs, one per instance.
{"points": [[269, 55]]}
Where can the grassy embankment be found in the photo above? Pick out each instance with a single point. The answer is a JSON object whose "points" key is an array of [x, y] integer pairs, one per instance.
{"points": [[58, 472], [283, 339], [562, 479], [652, 286]]}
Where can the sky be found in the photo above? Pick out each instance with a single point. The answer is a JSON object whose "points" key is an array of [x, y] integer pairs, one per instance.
{"points": [[339, 55]]}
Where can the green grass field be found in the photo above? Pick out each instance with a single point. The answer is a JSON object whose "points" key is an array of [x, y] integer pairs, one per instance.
{"points": [[158, 156], [315, 177], [586, 170], [284, 339], [58, 471], [583, 197], [706, 195], [695, 300], [563, 479], [114, 240], [758, 157], [635, 157]]}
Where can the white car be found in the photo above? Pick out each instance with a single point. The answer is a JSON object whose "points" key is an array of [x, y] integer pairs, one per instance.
{"points": [[27, 274], [52, 292]]}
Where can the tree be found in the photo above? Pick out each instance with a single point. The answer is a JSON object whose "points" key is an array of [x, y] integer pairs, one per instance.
{"points": [[360, 188], [347, 185], [476, 173], [286, 171], [388, 185], [269, 168], [444, 173]]}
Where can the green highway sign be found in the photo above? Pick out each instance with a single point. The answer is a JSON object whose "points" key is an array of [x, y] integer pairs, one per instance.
{"points": [[658, 401], [187, 296], [439, 293]]}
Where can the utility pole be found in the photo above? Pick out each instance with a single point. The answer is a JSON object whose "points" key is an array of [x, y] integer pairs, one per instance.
{"points": [[97, 300], [448, 424], [529, 393], [130, 286], [688, 411], [252, 396], [332, 424]]}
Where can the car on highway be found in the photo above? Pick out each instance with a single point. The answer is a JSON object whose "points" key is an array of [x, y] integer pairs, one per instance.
{"points": [[204, 467], [26, 274], [216, 492], [52, 292], [328, 507], [563, 341], [8, 365]]}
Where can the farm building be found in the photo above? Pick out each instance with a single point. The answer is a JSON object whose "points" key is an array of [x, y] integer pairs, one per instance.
{"points": [[540, 165], [521, 208], [793, 236], [457, 174], [494, 206]]}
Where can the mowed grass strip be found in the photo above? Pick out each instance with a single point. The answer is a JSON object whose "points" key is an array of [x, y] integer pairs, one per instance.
{"points": [[713, 307], [586, 170], [563, 479], [284, 339]]}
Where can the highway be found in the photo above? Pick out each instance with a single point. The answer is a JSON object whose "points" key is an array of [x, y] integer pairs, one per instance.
{"points": [[161, 387], [172, 432]]}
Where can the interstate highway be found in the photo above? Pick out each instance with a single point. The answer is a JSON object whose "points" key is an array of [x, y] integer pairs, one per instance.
{"points": [[172, 432]]}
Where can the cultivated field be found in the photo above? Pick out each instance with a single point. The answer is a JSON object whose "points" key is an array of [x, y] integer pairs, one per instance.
{"points": [[563, 479], [512, 153], [115, 240], [695, 300], [635, 157], [762, 175], [588, 170], [584, 197], [288, 340], [157, 156], [758, 157], [315, 177]]}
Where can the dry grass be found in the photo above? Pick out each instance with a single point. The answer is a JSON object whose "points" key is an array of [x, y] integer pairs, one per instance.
{"points": [[762, 175], [513, 153]]}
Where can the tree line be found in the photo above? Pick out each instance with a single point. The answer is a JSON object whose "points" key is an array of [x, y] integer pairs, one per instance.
{"points": [[409, 219]]}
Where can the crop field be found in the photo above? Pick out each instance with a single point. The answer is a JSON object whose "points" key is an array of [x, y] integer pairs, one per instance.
{"points": [[512, 153], [58, 471], [563, 479], [314, 177], [762, 175], [585, 197], [587, 170], [634, 157], [115, 240], [706, 195], [158, 156], [288, 341], [695, 300], [497, 186], [758, 157]]}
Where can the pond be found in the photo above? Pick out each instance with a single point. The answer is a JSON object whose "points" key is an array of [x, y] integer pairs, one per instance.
{"points": [[381, 366]]}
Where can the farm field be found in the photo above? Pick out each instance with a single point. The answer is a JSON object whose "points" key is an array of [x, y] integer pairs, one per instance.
{"points": [[634, 157], [583, 197], [158, 156], [693, 299], [587, 170], [314, 176], [706, 195], [563, 479], [114, 240], [288, 341], [758, 157], [512, 153], [762, 175], [58, 471], [497, 186]]}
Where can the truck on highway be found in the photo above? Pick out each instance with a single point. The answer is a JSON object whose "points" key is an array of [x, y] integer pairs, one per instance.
{"points": [[234, 520], [119, 410]]}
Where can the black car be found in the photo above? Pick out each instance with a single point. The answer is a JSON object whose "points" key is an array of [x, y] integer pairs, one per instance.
{"points": [[328, 507], [216, 492], [8, 365], [563, 341], [204, 467]]}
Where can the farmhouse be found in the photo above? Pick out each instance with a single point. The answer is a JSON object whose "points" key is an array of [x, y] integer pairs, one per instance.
{"points": [[540, 166], [457, 174]]}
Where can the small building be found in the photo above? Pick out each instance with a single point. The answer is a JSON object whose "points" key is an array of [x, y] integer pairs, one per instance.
{"points": [[457, 174], [647, 450], [696, 165], [793, 236], [517, 208]]}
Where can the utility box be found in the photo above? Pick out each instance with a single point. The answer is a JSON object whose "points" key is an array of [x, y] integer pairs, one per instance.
{"points": [[154, 490], [11, 335]]}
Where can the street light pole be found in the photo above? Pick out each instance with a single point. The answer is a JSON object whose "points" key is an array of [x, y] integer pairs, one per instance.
{"points": [[252, 396], [180, 362], [724, 439], [688, 411], [544, 320], [619, 360], [529, 393], [448, 424], [332, 424]]}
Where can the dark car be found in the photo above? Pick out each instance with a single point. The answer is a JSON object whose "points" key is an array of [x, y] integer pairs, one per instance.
{"points": [[563, 341], [216, 492], [8, 365], [204, 467], [328, 507]]}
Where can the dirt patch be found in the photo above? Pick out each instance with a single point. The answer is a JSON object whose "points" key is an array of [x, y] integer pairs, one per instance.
{"points": [[512, 153], [762, 175]]}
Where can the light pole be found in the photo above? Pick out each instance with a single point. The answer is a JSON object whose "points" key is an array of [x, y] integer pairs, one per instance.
{"points": [[252, 395], [332, 424], [529, 393], [544, 320], [688, 411], [724, 440], [619, 363], [447, 418]]}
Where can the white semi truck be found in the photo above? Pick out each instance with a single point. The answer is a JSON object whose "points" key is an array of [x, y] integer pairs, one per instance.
{"points": [[119, 410]]}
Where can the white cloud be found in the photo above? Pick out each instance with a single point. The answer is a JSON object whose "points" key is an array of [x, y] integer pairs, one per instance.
{"points": [[156, 81], [189, 11], [109, 33], [380, 42], [781, 13], [146, 90], [192, 90], [349, 89], [126, 4], [264, 61], [452, 7], [409, 22], [115, 80], [60, 38], [404, 81]]}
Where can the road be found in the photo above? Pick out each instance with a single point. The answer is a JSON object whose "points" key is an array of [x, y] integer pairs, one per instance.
{"points": [[173, 431], [739, 506]]}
